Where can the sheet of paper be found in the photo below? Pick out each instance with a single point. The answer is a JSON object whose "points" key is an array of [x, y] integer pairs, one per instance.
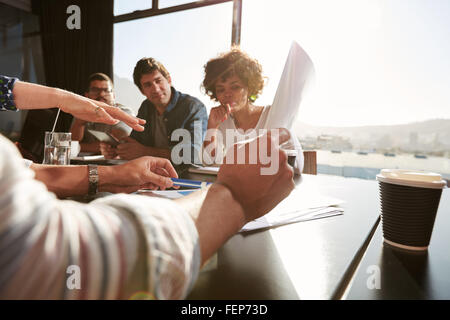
{"points": [[295, 83], [265, 222], [205, 170], [87, 158], [302, 204], [168, 194]]}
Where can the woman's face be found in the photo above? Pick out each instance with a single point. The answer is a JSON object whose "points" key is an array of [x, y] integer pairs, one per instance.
{"points": [[233, 92]]}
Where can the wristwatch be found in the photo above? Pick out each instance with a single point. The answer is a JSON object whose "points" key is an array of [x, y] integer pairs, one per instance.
{"points": [[93, 179]]}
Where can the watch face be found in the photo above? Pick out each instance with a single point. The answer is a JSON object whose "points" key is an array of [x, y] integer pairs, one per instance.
{"points": [[93, 172], [93, 179]]}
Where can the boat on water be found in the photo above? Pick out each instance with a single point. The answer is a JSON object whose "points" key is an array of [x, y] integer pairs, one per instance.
{"points": [[388, 154], [420, 156]]}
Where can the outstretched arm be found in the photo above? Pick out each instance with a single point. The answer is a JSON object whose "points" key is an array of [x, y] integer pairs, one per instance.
{"points": [[34, 96], [145, 172]]}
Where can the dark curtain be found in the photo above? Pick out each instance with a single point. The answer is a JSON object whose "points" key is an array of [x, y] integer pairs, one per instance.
{"points": [[70, 56]]}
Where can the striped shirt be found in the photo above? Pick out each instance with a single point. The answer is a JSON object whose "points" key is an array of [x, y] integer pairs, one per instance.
{"points": [[117, 247]]}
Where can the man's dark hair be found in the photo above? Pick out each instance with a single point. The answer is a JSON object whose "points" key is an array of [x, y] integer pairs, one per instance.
{"points": [[100, 77], [145, 66]]}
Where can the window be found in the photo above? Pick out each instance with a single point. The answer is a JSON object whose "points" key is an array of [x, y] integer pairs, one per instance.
{"points": [[128, 6], [382, 77], [183, 42], [172, 3]]}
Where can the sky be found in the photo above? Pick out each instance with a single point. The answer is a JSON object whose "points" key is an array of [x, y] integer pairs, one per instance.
{"points": [[377, 62]]}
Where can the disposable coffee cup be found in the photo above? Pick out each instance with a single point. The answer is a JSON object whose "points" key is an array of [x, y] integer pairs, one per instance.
{"points": [[409, 203]]}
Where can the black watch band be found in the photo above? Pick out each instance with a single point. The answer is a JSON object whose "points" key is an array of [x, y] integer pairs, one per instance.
{"points": [[93, 179]]}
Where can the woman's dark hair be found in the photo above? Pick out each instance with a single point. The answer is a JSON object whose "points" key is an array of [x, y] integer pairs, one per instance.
{"points": [[235, 62]]}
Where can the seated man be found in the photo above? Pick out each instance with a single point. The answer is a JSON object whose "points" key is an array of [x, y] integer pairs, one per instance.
{"points": [[165, 110], [100, 88]]}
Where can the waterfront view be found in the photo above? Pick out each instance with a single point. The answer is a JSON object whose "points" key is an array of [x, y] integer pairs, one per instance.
{"points": [[363, 151], [367, 166]]}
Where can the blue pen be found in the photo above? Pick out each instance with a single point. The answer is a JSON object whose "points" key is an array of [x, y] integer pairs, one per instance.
{"points": [[189, 183]]}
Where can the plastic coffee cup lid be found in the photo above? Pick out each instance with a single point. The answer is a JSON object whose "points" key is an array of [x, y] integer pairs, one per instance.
{"points": [[412, 178]]}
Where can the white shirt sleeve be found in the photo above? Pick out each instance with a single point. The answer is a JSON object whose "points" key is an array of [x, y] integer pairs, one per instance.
{"points": [[27, 162], [110, 248]]}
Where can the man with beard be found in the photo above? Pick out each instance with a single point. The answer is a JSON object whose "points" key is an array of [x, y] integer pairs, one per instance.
{"points": [[166, 111], [100, 88]]}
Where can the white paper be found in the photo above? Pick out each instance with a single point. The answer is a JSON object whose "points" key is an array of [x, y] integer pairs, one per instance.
{"points": [[295, 82], [302, 204], [168, 194], [205, 170], [87, 158], [265, 222]]}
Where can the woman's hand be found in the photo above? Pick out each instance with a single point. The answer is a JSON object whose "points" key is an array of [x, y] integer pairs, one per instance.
{"points": [[96, 111], [34, 96], [218, 115]]}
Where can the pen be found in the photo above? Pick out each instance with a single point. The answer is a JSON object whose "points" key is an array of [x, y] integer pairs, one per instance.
{"points": [[189, 183]]}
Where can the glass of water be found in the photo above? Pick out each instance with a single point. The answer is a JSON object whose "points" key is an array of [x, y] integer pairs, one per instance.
{"points": [[57, 148]]}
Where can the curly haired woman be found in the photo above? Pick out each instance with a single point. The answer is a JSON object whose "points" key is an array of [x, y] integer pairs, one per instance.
{"points": [[234, 80]]}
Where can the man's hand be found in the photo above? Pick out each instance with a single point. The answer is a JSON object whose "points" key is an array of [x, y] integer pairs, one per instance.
{"points": [[145, 172], [131, 149], [77, 129], [241, 193], [258, 193], [108, 151]]}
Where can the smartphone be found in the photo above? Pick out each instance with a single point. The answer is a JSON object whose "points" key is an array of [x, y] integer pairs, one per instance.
{"points": [[104, 137]]}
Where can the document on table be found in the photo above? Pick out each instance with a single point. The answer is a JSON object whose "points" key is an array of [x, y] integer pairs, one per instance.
{"points": [[87, 158], [206, 170], [168, 194], [99, 159], [300, 205]]}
